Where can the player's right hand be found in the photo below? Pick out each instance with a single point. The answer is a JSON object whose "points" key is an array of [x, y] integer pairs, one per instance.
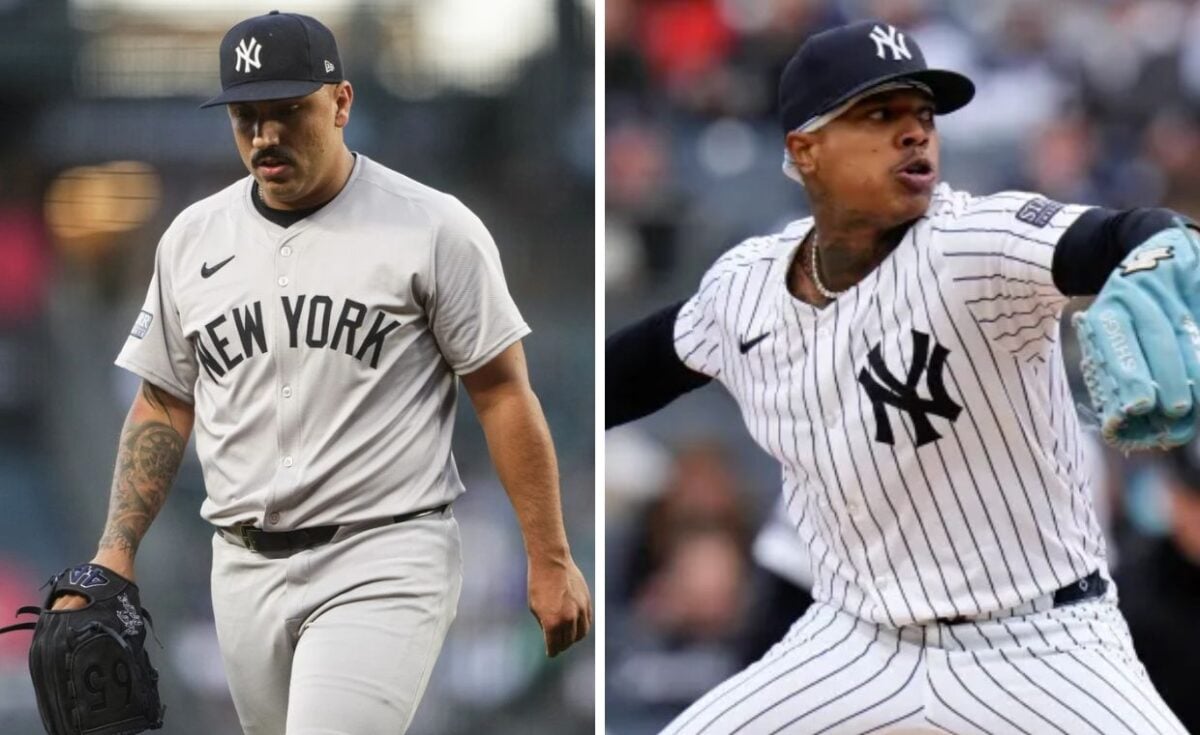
{"points": [[120, 564], [69, 601]]}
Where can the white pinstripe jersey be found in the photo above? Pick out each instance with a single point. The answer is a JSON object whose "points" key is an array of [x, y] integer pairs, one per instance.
{"points": [[930, 449]]}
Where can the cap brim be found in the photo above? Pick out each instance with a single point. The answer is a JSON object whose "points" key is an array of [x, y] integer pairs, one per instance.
{"points": [[951, 90], [275, 89]]}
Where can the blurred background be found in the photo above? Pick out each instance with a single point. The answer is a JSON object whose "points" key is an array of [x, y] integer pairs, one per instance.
{"points": [[102, 144], [1092, 101]]}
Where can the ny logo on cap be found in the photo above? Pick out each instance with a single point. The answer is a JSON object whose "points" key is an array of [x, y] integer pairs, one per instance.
{"points": [[244, 50], [891, 38]]}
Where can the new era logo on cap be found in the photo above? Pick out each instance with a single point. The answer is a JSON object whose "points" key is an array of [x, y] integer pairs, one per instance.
{"points": [[276, 56]]}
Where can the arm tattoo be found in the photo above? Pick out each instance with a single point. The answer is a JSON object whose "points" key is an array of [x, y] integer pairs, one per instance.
{"points": [[154, 396], [147, 461]]}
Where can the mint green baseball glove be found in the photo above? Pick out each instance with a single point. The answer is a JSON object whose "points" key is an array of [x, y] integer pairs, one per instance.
{"points": [[1141, 344]]}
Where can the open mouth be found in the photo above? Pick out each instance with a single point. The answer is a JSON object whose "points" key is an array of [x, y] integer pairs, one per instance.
{"points": [[917, 175], [917, 167]]}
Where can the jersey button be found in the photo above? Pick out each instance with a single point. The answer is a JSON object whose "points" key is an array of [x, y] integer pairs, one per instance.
{"points": [[283, 281], [273, 518], [853, 507], [287, 461], [285, 251], [287, 391], [823, 332]]}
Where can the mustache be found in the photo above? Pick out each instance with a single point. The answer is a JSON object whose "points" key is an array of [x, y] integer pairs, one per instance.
{"points": [[278, 154]]}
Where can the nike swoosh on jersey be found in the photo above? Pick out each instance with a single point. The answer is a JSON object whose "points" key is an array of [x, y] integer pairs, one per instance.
{"points": [[206, 271], [747, 345]]}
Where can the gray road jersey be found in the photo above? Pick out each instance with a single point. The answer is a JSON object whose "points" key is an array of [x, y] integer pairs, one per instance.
{"points": [[322, 358]]}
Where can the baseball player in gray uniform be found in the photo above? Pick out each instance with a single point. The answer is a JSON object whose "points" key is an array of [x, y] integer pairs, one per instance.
{"points": [[310, 324], [897, 352]]}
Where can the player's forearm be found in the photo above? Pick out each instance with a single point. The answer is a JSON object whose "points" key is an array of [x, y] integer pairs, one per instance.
{"points": [[1096, 243], [151, 447], [523, 454]]}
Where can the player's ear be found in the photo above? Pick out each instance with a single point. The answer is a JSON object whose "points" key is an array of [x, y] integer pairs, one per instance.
{"points": [[800, 146], [343, 98]]}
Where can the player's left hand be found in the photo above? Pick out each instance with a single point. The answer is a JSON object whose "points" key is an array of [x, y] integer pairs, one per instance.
{"points": [[1141, 344], [559, 599]]}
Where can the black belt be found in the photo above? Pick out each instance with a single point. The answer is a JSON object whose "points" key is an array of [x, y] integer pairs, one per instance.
{"points": [[1085, 588], [259, 540]]}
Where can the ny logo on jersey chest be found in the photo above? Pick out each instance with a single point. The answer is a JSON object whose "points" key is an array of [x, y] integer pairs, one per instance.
{"points": [[884, 390]]}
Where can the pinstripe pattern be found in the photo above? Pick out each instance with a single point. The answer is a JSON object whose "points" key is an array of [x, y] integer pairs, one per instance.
{"points": [[1068, 670], [968, 498], [993, 513]]}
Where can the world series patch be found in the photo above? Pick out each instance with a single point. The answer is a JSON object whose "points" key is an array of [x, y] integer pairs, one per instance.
{"points": [[1038, 212], [142, 325]]}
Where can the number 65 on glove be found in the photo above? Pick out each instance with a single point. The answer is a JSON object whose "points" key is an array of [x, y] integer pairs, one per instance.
{"points": [[1141, 344], [89, 665]]}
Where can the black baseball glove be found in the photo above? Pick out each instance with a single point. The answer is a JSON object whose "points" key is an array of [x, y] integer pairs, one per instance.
{"points": [[89, 666]]}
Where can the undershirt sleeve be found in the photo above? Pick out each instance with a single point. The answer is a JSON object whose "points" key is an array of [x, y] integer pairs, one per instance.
{"points": [[1096, 243], [643, 371]]}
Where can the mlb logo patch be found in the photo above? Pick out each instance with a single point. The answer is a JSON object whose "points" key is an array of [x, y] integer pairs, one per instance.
{"points": [[1038, 212], [142, 325]]}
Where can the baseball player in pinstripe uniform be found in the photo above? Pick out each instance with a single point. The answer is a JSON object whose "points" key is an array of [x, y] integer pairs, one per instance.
{"points": [[311, 323], [898, 353]]}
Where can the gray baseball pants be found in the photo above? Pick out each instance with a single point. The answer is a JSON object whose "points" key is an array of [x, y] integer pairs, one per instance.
{"points": [[339, 639]]}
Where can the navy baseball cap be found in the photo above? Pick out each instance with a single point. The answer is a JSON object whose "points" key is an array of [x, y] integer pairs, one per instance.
{"points": [[276, 56], [836, 65]]}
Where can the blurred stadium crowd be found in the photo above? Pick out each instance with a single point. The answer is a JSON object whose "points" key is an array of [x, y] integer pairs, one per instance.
{"points": [[102, 144], [1084, 101]]}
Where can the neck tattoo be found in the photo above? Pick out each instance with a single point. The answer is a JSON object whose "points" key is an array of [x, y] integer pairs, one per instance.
{"points": [[816, 274]]}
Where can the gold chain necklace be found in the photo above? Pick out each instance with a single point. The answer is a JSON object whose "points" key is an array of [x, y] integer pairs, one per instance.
{"points": [[816, 274]]}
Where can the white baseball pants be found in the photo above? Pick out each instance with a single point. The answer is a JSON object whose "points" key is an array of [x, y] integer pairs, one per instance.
{"points": [[1062, 671]]}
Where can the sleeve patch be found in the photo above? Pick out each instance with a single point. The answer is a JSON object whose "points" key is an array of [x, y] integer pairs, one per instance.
{"points": [[142, 325], [1038, 212]]}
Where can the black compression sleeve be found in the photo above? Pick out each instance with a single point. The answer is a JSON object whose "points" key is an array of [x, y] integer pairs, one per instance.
{"points": [[1096, 243], [642, 372]]}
